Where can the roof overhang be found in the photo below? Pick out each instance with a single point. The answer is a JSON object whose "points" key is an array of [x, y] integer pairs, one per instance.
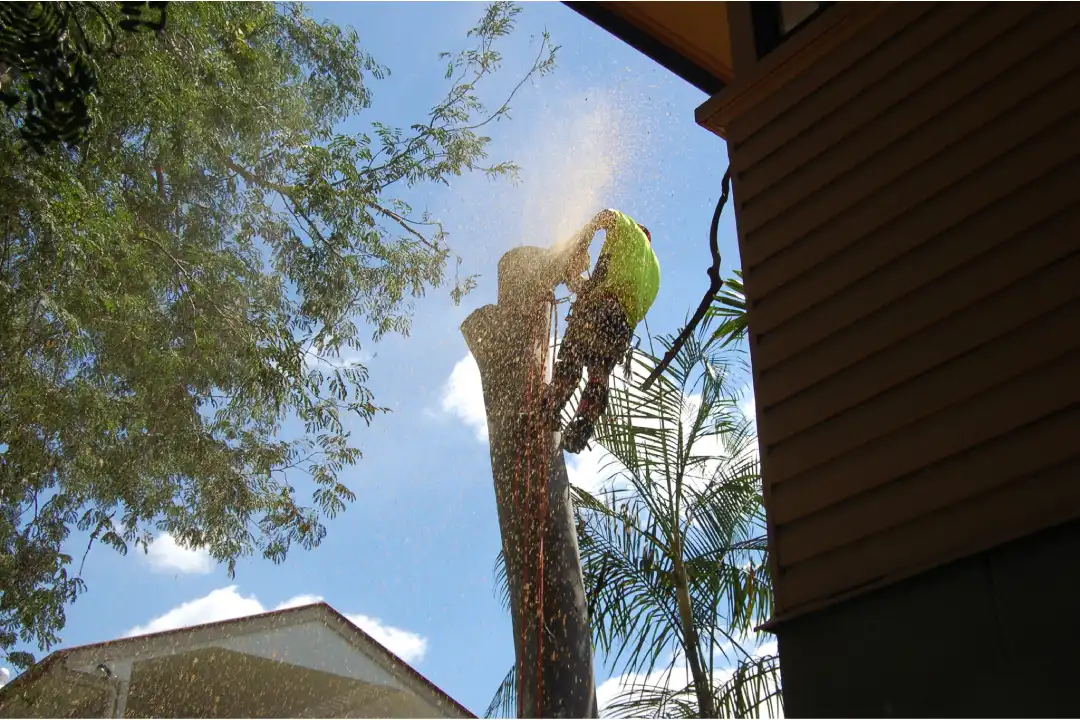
{"points": [[691, 39]]}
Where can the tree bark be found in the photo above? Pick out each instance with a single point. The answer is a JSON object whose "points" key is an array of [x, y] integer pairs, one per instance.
{"points": [[691, 640], [507, 339]]}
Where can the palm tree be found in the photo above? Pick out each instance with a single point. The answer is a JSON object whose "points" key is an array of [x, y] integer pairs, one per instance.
{"points": [[673, 547]]}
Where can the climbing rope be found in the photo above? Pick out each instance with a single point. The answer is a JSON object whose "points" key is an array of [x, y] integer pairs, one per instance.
{"points": [[545, 469]]}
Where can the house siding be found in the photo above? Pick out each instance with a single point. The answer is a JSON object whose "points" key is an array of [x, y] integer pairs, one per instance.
{"points": [[908, 206]]}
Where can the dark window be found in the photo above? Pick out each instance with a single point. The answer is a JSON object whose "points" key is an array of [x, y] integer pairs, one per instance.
{"points": [[775, 22]]}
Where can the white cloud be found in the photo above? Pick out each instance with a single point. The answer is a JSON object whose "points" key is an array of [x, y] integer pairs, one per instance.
{"points": [[463, 396], [327, 363], [770, 647], [165, 554], [408, 646], [227, 604], [592, 469], [5, 676], [221, 604], [675, 677], [298, 601]]}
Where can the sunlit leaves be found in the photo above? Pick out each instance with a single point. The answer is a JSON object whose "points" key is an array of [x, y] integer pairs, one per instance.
{"points": [[207, 264]]}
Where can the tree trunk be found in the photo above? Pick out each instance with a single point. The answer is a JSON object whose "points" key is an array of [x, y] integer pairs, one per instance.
{"points": [[691, 640], [507, 340]]}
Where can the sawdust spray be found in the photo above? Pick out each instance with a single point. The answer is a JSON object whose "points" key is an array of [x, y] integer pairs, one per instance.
{"points": [[580, 158]]}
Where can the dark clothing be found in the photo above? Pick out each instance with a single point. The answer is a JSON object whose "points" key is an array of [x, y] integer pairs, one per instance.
{"points": [[598, 336]]}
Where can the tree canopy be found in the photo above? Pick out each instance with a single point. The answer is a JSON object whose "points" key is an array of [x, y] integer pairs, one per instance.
{"points": [[166, 281], [45, 45]]}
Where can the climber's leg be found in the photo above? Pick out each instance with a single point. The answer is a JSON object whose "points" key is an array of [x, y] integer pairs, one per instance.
{"points": [[611, 342], [567, 371], [594, 402]]}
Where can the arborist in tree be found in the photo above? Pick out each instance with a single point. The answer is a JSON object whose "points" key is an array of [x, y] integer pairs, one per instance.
{"points": [[609, 305]]}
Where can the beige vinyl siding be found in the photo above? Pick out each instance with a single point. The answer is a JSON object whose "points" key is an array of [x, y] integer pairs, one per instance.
{"points": [[908, 205]]}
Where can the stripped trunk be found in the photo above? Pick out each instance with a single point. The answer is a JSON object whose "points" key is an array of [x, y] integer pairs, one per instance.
{"points": [[508, 341]]}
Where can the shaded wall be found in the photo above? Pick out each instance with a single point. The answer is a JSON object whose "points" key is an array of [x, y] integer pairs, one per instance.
{"points": [[907, 187], [992, 635]]}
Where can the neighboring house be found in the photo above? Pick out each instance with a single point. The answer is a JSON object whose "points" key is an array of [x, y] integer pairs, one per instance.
{"points": [[304, 662]]}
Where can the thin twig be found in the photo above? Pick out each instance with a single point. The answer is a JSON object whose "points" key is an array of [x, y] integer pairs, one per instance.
{"points": [[312, 229], [404, 223], [183, 271], [715, 283], [506, 104]]}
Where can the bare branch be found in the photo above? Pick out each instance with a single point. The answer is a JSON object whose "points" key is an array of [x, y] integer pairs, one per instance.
{"points": [[506, 103], [715, 283], [404, 223], [253, 179]]}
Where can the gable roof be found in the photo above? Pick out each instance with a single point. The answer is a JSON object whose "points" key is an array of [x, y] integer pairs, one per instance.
{"points": [[275, 619]]}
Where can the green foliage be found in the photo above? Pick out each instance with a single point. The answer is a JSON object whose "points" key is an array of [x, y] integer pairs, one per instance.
{"points": [[673, 547], [196, 272], [47, 65]]}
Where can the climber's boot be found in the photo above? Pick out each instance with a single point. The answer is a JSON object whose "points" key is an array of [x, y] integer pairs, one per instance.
{"points": [[577, 435]]}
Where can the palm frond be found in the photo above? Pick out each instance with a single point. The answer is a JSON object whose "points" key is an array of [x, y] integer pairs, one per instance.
{"points": [[629, 587], [686, 481], [655, 700], [730, 306], [501, 581], [752, 691], [504, 702]]}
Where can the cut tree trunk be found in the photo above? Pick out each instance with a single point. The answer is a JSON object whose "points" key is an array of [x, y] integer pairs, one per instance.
{"points": [[508, 341]]}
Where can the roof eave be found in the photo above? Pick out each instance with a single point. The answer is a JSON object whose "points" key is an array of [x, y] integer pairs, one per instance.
{"points": [[601, 15]]}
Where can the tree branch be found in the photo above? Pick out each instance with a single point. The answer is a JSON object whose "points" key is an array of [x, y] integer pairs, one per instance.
{"points": [[715, 283], [459, 90], [286, 192], [404, 223], [312, 229], [506, 103], [253, 179]]}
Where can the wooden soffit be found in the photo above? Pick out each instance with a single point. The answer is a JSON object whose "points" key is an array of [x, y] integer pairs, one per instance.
{"points": [[691, 39]]}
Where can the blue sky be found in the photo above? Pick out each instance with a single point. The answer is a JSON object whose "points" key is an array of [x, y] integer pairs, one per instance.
{"points": [[412, 558]]}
